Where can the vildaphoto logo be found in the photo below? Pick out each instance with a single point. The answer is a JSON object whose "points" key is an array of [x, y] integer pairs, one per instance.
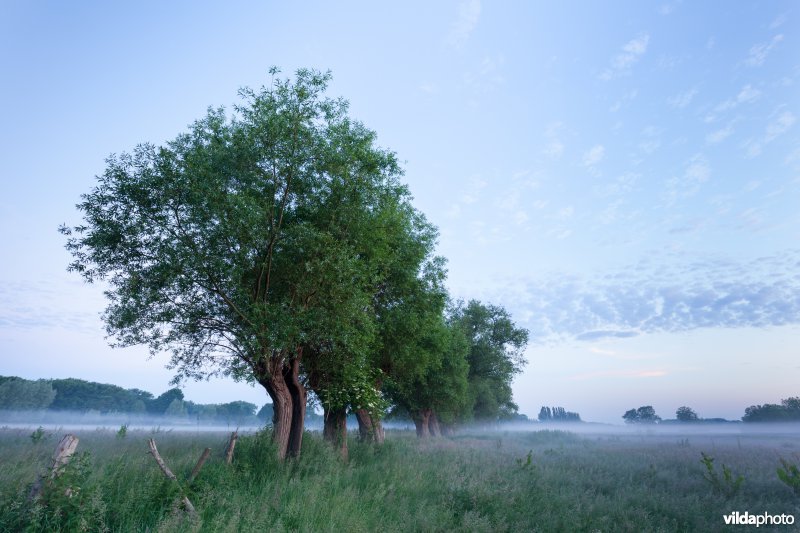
{"points": [[764, 519]]}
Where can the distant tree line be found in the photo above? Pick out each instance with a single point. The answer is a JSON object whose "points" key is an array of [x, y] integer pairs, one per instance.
{"points": [[557, 414], [82, 396], [787, 411]]}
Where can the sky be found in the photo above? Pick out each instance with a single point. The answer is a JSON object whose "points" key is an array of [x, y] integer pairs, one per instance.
{"points": [[623, 177]]}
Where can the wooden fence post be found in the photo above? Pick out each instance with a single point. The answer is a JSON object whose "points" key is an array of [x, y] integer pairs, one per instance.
{"points": [[184, 500], [61, 456], [229, 448]]}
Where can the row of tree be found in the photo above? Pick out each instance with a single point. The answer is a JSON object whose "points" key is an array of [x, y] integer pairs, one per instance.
{"points": [[278, 246], [77, 395], [557, 414]]}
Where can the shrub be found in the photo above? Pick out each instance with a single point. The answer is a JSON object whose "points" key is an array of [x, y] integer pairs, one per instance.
{"points": [[790, 475], [728, 485]]}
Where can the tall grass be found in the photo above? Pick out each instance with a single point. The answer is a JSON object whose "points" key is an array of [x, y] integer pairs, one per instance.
{"points": [[536, 481]]}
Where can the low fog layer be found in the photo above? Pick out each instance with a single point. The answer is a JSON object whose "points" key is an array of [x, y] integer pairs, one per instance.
{"points": [[82, 420]]}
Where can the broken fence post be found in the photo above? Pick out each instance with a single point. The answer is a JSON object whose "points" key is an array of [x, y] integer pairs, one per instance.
{"points": [[184, 500], [229, 448], [61, 456], [199, 465]]}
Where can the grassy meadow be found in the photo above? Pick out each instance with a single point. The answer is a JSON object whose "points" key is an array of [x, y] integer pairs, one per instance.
{"points": [[481, 481]]}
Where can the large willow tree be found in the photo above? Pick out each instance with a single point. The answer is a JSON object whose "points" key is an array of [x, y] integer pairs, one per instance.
{"points": [[255, 245]]}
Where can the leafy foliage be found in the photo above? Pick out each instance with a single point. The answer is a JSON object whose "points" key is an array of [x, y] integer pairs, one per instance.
{"points": [[236, 239], [275, 244], [37, 435], [495, 356]]}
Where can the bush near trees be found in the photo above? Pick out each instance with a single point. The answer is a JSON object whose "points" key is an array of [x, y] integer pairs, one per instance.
{"points": [[277, 245]]}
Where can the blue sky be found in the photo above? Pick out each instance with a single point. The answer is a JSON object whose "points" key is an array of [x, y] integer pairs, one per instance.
{"points": [[623, 177]]}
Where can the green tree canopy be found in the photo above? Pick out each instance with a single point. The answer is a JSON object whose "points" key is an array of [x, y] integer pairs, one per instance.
{"points": [[495, 356], [643, 415], [254, 245], [18, 393], [686, 414], [159, 406]]}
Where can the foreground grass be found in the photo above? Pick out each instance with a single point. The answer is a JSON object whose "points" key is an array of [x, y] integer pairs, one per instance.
{"points": [[534, 481]]}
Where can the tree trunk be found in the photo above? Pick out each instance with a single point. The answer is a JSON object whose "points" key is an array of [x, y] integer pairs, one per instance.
{"points": [[366, 429], [380, 434], [298, 392], [421, 420], [278, 390], [433, 425], [370, 429], [335, 430]]}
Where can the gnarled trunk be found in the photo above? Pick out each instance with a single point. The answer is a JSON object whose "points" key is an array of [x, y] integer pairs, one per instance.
{"points": [[380, 434], [421, 421], [335, 430], [278, 390], [370, 429], [365, 427], [291, 375], [433, 425]]}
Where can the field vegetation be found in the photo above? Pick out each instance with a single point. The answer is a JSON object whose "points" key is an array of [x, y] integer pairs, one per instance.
{"points": [[498, 480]]}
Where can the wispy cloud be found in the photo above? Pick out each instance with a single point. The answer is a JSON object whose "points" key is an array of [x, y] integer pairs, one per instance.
{"points": [[635, 374], [759, 52], [664, 295], [487, 75], [604, 334], [619, 186], [697, 172], [681, 100], [666, 9], [780, 123], [470, 194], [779, 21], [593, 156], [649, 297], [428, 87], [628, 97], [650, 141], [565, 213], [719, 135], [631, 53], [554, 147], [42, 305], [473, 190], [469, 13], [746, 95]]}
